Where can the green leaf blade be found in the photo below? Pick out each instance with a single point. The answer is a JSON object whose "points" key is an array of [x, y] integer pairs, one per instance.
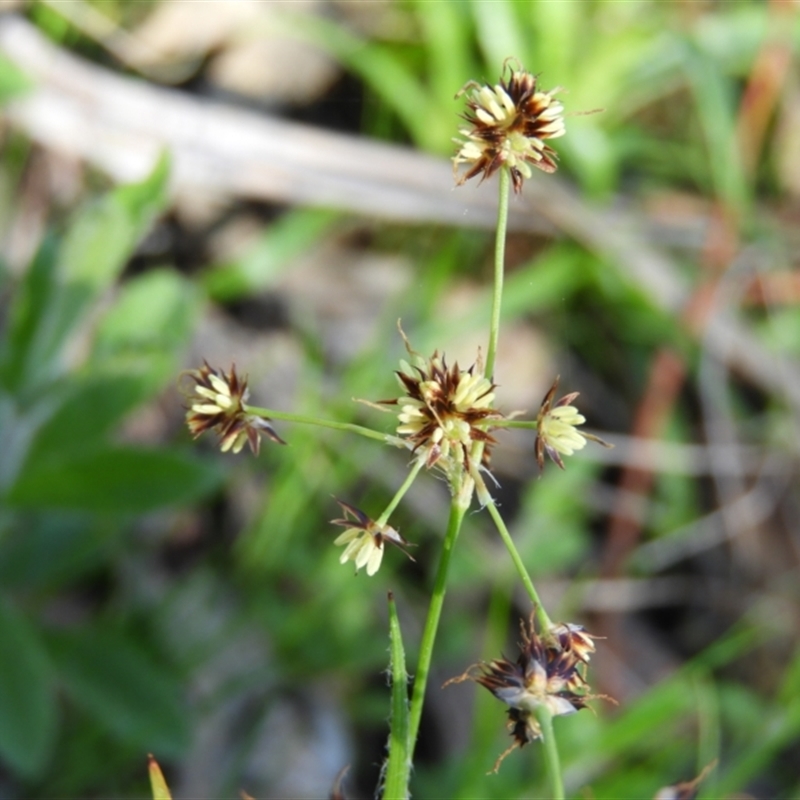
{"points": [[118, 682], [399, 767], [28, 716], [114, 480]]}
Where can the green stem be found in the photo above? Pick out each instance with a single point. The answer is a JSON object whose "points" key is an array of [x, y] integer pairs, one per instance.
{"points": [[457, 512], [302, 419], [541, 614], [418, 464], [499, 266], [551, 753], [515, 423]]}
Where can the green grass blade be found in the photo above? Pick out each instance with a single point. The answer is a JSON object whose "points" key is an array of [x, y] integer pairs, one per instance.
{"points": [[157, 782], [387, 75], [398, 768], [28, 711]]}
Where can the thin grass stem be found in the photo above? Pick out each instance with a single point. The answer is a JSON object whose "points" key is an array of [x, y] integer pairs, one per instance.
{"points": [[554, 775], [302, 419], [457, 512], [418, 464], [541, 614], [499, 268]]}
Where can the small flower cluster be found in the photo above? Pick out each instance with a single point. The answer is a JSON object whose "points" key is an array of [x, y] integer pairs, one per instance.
{"points": [[549, 672], [556, 427], [217, 403], [509, 123], [365, 539], [444, 412]]}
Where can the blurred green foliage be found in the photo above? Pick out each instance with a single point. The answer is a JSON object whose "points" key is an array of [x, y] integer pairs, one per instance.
{"points": [[70, 491]]}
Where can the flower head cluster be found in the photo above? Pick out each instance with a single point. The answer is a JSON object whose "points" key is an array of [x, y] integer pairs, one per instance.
{"points": [[217, 402], [444, 412], [549, 672], [365, 539], [557, 428], [509, 123]]}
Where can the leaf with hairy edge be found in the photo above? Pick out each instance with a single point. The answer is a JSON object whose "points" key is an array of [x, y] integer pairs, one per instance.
{"points": [[399, 766]]}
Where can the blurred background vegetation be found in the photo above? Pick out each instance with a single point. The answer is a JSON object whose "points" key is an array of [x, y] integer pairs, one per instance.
{"points": [[158, 597]]}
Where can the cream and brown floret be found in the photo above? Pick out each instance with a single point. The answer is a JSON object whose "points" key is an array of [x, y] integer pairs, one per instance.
{"points": [[549, 672], [574, 638], [444, 412], [217, 403], [364, 539], [557, 428], [508, 126]]}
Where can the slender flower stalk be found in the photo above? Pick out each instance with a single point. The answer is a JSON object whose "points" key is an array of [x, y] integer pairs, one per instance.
{"points": [[499, 271], [508, 125], [544, 716], [457, 512], [400, 493], [541, 614], [304, 419]]}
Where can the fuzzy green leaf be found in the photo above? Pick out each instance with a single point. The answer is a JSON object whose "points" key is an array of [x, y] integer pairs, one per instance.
{"points": [[64, 280], [117, 681], [114, 479], [27, 704], [399, 766]]}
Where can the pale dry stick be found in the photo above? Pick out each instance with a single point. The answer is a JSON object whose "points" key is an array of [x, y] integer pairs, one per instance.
{"points": [[678, 458], [666, 376], [741, 508], [718, 416], [710, 530], [121, 125]]}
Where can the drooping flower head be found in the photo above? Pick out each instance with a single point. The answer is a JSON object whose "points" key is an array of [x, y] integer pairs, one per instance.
{"points": [[574, 639], [365, 539], [549, 672], [508, 126], [445, 410], [217, 402], [557, 428]]}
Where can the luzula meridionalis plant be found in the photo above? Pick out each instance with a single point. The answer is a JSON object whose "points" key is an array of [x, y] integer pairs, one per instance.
{"points": [[445, 418]]}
